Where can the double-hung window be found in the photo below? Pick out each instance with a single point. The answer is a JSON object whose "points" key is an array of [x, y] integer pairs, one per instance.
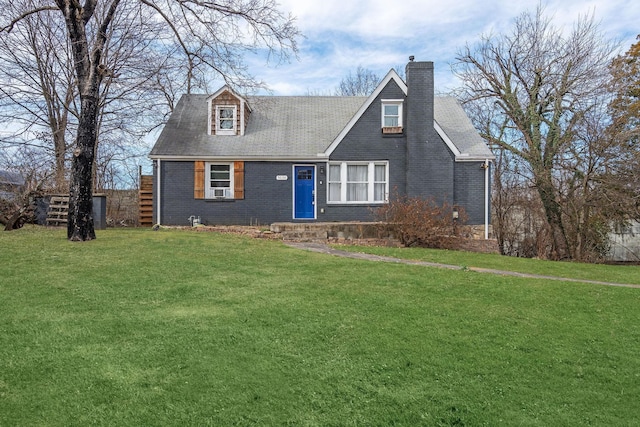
{"points": [[226, 120], [219, 180], [392, 116], [358, 182]]}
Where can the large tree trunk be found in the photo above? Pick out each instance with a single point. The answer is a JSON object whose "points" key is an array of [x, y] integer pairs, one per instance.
{"points": [[89, 73], [80, 218], [553, 213]]}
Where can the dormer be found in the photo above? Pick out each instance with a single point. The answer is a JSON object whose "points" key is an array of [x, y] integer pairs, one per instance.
{"points": [[228, 112]]}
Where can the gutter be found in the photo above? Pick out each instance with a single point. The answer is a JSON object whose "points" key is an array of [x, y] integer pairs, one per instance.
{"points": [[467, 158], [209, 158], [158, 192], [486, 198]]}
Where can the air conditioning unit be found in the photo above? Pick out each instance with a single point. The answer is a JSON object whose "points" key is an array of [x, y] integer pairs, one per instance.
{"points": [[218, 192]]}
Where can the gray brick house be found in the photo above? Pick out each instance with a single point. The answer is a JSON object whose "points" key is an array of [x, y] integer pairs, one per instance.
{"points": [[233, 160]]}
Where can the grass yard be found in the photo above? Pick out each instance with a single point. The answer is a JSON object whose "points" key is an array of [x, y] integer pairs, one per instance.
{"points": [[146, 328], [626, 274]]}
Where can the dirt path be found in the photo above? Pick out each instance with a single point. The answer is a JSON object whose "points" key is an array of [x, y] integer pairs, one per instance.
{"points": [[326, 249]]}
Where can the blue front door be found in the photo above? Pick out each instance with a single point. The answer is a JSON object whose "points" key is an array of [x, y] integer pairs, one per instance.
{"points": [[304, 192]]}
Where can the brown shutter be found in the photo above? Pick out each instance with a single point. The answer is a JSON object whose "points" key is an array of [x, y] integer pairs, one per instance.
{"points": [[238, 180], [198, 180]]}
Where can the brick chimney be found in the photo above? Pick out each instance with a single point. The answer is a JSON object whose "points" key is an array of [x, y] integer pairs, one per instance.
{"points": [[429, 163], [420, 98]]}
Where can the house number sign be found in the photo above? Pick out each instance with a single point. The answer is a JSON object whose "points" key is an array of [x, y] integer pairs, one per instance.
{"points": [[281, 177]]}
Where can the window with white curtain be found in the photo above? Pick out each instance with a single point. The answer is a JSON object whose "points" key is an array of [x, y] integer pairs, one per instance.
{"points": [[334, 183], [358, 182], [380, 193], [391, 113]]}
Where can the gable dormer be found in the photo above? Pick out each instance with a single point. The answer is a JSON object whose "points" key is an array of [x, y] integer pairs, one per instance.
{"points": [[391, 112], [228, 112]]}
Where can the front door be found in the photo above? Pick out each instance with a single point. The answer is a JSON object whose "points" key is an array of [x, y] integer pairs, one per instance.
{"points": [[304, 192]]}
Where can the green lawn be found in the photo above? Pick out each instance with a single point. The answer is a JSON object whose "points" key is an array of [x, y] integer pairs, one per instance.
{"points": [[146, 328], [626, 274]]}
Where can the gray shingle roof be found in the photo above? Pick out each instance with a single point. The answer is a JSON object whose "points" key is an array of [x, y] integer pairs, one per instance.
{"points": [[456, 124], [290, 127], [279, 127]]}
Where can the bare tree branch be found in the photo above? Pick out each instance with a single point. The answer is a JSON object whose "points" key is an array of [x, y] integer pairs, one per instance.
{"points": [[540, 85], [8, 28]]}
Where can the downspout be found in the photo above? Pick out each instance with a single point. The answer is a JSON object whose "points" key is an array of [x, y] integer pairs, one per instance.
{"points": [[486, 199], [158, 193]]}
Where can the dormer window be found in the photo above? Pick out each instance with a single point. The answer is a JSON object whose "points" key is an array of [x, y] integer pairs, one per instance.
{"points": [[226, 120], [228, 113], [391, 116]]}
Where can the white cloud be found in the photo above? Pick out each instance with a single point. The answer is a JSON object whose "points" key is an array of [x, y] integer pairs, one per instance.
{"points": [[377, 35]]}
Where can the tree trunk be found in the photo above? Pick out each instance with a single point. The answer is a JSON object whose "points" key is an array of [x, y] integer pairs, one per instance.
{"points": [[80, 218], [15, 221], [60, 149], [553, 213], [89, 75]]}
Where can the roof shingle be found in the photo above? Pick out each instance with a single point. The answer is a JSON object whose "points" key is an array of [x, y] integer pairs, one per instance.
{"points": [[290, 127]]}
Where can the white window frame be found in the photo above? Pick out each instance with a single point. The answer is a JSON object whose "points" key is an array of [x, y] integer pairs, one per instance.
{"points": [[343, 183], [389, 102], [209, 191], [233, 130]]}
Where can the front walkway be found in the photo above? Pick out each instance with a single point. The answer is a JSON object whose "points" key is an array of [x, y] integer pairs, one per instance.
{"points": [[326, 249]]}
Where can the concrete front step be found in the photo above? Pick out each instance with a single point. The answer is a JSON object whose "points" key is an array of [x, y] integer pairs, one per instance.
{"points": [[363, 233], [305, 236], [325, 230]]}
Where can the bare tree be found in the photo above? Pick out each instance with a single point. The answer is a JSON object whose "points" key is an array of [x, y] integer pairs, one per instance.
{"points": [[210, 36], [362, 83], [38, 86], [624, 130], [540, 84], [625, 107], [40, 90]]}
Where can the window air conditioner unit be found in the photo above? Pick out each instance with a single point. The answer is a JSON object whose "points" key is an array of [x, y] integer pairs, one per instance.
{"points": [[218, 192]]}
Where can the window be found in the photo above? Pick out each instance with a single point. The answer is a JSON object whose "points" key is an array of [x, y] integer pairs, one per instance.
{"points": [[358, 182], [335, 184], [305, 174], [380, 183], [219, 181], [226, 120], [392, 116]]}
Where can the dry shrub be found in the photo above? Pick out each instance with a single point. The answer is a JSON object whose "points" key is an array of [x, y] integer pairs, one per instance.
{"points": [[122, 208], [423, 222]]}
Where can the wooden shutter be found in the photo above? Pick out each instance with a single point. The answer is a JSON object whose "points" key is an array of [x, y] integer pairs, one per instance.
{"points": [[238, 180], [198, 180]]}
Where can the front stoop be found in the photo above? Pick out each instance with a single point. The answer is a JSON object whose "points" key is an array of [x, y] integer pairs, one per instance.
{"points": [[367, 233], [323, 231]]}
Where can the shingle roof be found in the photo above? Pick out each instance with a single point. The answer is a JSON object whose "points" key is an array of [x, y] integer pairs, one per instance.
{"points": [[458, 127], [291, 127], [279, 127]]}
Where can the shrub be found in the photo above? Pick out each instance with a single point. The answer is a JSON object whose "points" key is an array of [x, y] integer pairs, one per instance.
{"points": [[423, 222]]}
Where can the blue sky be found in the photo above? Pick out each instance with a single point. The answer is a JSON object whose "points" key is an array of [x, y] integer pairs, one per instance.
{"points": [[378, 35]]}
